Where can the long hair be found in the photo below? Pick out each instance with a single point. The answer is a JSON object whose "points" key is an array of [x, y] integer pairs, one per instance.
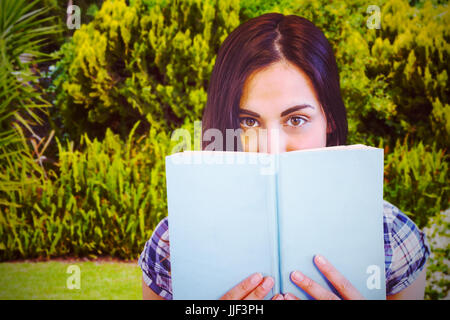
{"points": [[260, 42]]}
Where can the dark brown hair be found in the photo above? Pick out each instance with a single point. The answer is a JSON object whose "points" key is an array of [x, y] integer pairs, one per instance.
{"points": [[262, 41]]}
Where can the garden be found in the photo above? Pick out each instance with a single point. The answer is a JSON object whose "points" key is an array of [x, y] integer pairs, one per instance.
{"points": [[91, 92]]}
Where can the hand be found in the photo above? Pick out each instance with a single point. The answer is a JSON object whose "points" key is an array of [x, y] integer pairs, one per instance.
{"points": [[341, 284], [255, 287]]}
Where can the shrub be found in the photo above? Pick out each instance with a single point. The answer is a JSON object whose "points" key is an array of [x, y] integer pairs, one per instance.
{"points": [[153, 58], [416, 180], [410, 56], [104, 199], [22, 33], [438, 278]]}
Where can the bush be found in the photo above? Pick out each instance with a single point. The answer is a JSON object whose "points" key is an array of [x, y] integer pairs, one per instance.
{"points": [[22, 33], [416, 180], [438, 278], [141, 59], [103, 200], [410, 56]]}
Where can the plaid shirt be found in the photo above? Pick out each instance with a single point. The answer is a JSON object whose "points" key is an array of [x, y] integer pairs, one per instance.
{"points": [[405, 246]]}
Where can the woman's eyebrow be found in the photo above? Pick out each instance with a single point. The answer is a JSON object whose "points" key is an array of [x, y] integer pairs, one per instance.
{"points": [[295, 108], [251, 113], [285, 112]]}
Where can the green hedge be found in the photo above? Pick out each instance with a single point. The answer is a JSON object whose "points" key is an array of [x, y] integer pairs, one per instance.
{"points": [[104, 200], [152, 58], [416, 179]]}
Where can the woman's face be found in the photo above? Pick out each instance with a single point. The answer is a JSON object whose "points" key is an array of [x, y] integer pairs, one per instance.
{"points": [[280, 101]]}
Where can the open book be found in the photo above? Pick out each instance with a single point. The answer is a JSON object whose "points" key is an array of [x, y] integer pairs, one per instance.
{"points": [[232, 214]]}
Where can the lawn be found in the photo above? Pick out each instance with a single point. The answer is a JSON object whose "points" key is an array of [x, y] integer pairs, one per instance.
{"points": [[51, 280]]}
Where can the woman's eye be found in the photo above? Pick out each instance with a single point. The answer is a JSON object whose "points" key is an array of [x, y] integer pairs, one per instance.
{"points": [[296, 121], [249, 122]]}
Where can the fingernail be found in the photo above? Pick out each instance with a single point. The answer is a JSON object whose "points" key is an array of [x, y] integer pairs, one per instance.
{"points": [[256, 278], [267, 283], [298, 276], [320, 260], [288, 296]]}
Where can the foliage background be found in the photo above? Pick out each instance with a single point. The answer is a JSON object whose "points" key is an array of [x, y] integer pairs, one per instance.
{"points": [[84, 174]]}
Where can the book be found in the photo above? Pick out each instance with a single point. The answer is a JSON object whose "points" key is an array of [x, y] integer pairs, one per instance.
{"points": [[232, 214]]}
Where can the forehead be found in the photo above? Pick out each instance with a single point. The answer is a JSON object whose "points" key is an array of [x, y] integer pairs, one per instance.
{"points": [[273, 89]]}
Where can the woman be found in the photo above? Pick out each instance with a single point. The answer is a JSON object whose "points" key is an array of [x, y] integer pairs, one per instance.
{"points": [[279, 73]]}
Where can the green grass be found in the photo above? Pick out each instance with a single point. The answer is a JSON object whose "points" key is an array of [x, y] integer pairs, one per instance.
{"points": [[48, 280]]}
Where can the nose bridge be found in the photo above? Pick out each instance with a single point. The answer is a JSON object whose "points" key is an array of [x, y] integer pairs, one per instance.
{"points": [[275, 141]]}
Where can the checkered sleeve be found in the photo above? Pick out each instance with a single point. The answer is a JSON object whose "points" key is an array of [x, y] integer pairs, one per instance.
{"points": [[406, 249], [155, 261]]}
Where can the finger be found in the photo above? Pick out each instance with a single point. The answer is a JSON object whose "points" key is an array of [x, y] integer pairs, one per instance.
{"points": [[312, 288], [243, 288], [262, 290], [290, 296], [278, 297], [339, 282]]}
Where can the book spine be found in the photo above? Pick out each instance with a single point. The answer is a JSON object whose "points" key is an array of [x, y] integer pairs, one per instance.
{"points": [[274, 228], [278, 224]]}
